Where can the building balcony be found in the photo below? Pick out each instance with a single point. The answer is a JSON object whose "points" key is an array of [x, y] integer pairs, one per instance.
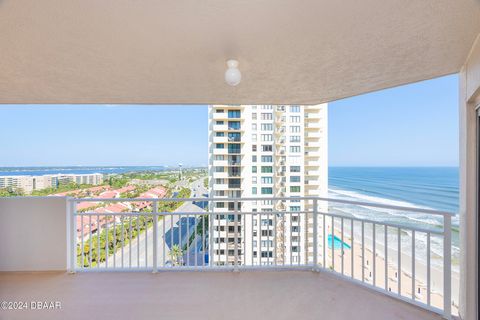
{"points": [[51, 234], [220, 139], [220, 175], [217, 151], [219, 127], [220, 186]]}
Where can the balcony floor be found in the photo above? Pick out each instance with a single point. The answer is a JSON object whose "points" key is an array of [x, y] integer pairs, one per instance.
{"points": [[200, 295]]}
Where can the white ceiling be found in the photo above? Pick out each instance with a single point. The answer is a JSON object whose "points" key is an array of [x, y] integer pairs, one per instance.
{"points": [[174, 51]]}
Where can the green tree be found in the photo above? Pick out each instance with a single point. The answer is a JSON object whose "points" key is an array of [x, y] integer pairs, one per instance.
{"points": [[176, 255]]}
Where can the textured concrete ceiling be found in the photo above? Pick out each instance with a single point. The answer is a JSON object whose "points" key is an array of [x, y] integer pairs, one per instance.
{"points": [[174, 51]]}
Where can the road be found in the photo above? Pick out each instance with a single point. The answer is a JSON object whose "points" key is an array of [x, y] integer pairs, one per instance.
{"points": [[169, 230]]}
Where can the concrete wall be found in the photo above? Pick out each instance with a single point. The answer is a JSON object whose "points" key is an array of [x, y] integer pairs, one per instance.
{"points": [[33, 233], [469, 99]]}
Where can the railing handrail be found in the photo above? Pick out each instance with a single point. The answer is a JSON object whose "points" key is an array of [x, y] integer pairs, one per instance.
{"points": [[226, 199]]}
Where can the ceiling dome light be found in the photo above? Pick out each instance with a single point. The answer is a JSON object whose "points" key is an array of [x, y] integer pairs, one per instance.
{"points": [[233, 76]]}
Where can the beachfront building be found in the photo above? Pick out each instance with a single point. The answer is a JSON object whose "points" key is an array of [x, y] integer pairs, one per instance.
{"points": [[265, 151]]}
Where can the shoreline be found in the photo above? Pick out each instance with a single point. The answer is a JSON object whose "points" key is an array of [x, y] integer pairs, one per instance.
{"points": [[436, 273]]}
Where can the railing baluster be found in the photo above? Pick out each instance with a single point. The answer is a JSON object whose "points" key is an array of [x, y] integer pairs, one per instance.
{"points": [[447, 266], [342, 246], [98, 241], [114, 242], [123, 239], [363, 251], [315, 234], [352, 248], [164, 237], [138, 241], [324, 217], [386, 258], [82, 264], [428, 268], [130, 241], [203, 240], [275, 238], [188, 240], [171, 239], [106, 242], [195, 238], [155, 235], [413, 264], [235, 226], [90, 241], [333, 243], [374, 263], [399, 259]]}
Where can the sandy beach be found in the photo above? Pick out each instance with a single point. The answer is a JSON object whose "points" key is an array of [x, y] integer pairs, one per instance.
{"points": [[374, 269]]}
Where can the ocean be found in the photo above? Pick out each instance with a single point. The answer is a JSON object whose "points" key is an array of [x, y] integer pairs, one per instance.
{"points": [[38, 171], [423, 187]]}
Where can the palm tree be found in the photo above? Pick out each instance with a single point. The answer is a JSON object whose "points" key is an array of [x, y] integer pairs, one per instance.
{"points": [[175, 255]]}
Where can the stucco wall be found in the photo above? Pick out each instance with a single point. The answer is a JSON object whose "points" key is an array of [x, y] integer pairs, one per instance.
{"points": [[33, 234], [469, 99]]}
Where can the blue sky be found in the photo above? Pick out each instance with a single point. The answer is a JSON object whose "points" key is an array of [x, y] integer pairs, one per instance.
{"points": [[414, 125]]}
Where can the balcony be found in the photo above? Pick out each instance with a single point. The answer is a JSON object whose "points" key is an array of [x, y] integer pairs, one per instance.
{"points": [[220, 151], [350, 265], [220, 139]]}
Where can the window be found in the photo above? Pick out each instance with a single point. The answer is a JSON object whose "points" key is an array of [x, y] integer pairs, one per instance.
{"points": [[254, 137], [219, 111], [294, 168], [294, 108], [219, 169], [267, 148], [267, 233], [267, 159], [267, 243], [294, 208], [267, 254], [294, 149], [254, 158], [294, 178], [266, 222], [254, 116], [219, 157], [254, 148], [294, 138], [267, 116], [233, 114], [295, 119], [254, 190], [267, 127], [220, 146], [267, 190], [295, 229], [294, 129], [295, 189], [267, 107], [267, 180], [267, 169], [234, 148], [234, 136], [254, 169], [254, 126], [233, 125], [219, 122], [254, 180], [219, 134], [267, 137]]}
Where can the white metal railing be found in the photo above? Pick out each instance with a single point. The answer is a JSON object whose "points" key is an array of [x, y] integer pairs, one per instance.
{"points": [[157, 235]]}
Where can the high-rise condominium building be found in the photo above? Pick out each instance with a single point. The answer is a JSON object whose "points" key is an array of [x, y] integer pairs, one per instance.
{"points": [[265, 151]]}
